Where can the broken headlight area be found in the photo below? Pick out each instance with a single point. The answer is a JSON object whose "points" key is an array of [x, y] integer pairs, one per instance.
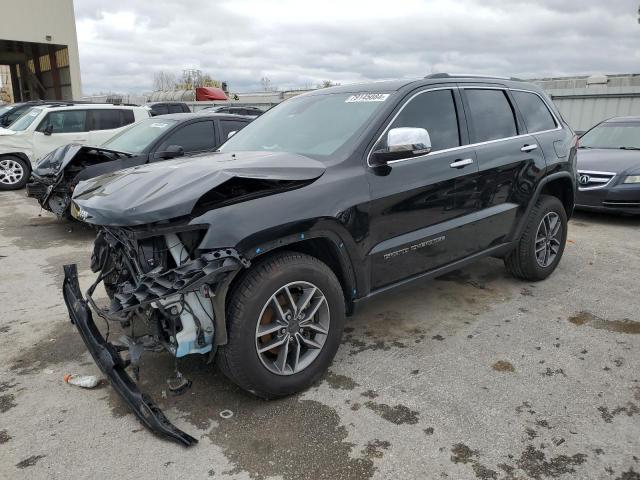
{"points": [[164, 292]]}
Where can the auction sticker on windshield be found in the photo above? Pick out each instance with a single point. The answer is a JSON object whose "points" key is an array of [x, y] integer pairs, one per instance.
{"points": [[367, 97], [159, 125]]}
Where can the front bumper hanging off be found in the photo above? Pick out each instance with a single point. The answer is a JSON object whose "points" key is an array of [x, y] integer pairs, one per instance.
{"points": [[113, 366]]}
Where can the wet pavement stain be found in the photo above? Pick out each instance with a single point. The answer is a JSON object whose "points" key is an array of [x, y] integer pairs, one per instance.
{"points": [[503, 366], [30, 461], [28, 232], [4, 436], [398, 414], [7, 402], [56, 262], [263, 438], [374, 448], [630, 474], [630, 409], [465, 455], [5, 329], [535, 464], [619, 326], [61, 345], [369, 394], [340, 382]]}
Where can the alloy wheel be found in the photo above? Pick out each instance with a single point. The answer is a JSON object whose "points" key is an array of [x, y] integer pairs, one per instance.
{"points": [[11, 172], [292, 328], [548, 239]]}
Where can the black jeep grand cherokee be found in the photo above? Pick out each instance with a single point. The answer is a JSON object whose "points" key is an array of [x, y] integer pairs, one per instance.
{"points": [[256, 253]]}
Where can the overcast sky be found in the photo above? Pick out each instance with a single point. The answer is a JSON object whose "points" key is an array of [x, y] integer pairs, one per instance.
{"points": [[297, 43]]}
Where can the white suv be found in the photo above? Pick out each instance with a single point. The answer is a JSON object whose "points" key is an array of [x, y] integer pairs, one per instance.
{"points": [[43, 128]]}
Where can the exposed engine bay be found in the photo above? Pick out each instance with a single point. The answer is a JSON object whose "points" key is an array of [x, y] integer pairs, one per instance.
{"points": [[56, 175], [166, 293]]}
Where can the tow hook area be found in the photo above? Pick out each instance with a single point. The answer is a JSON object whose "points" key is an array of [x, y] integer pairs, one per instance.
{"points": [[113, 366]]}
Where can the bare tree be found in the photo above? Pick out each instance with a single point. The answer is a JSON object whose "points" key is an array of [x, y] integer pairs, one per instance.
{"points": [[164, 81], [326, 84], [266, 84]]}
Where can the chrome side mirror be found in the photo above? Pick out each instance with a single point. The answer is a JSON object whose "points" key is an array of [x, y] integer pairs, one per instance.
{"points": [[402, 142]]}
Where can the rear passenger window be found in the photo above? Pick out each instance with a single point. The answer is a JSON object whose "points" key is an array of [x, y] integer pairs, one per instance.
{"points": [[195, 137], [105, 119], [490, 115], [537, 116], [176, 108], [434, 111]]}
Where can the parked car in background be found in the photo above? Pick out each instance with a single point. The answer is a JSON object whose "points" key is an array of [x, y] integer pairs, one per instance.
{"points": [[42, 128], [163, 108], [609, 167], [151, 140], [256, 253], [11, 111], [237, 110]]}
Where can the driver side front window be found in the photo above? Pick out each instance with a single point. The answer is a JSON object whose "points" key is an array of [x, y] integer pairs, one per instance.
{"points": [[435, 111]]}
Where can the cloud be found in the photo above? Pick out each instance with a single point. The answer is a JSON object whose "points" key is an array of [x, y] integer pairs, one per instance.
{"points": [[297, 43]]}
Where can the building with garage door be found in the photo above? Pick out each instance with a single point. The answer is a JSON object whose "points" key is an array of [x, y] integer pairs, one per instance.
{"points": [[38, 51]]}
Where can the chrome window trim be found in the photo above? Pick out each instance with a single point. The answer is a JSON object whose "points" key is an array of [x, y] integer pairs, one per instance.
{"points": [[595, 172], [469, 145]]}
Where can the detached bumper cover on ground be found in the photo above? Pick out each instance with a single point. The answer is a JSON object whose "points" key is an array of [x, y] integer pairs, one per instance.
{"points": [[113, 366]]}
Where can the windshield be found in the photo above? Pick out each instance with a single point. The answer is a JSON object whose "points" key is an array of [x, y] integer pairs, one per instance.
{"points": [[5, 108], [613, 135], [316, 125], [139, 135], [26, 119]]}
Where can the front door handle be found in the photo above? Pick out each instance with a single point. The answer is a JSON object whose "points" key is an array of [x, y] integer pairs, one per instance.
{"points": [[528, 148], [461, 163]]}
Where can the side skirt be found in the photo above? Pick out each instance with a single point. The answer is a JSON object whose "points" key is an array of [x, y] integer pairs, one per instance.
{"points": [[497, 251]]}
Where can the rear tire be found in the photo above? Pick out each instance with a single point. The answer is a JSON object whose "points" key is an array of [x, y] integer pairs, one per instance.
{"points": [[540, 247], [14, 172], [253, 309]]}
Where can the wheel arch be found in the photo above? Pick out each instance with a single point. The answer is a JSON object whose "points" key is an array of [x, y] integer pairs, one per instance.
{"points": [[560, 185], [562, 188], [21, 156]]}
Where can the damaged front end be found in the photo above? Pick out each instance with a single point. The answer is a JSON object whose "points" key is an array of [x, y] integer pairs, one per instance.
{"points": [[56, 175], [166, 293]]}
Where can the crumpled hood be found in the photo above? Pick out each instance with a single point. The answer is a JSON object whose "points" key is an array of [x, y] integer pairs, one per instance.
{"points": [[55, 161], [608, 160], [170, 189]]}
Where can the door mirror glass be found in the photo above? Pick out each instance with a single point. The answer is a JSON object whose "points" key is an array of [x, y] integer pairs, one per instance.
{"points": [[402, 142], [172, 151]]}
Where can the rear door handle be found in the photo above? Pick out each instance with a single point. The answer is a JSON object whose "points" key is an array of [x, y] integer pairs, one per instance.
{"points": [[461, 163], [528, 148]]}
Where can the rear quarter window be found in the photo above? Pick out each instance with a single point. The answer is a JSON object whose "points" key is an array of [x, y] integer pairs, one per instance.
{"points": [[535, 112]]}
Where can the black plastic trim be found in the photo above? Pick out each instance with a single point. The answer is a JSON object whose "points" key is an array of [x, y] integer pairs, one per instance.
{"points": [[112, 365]]}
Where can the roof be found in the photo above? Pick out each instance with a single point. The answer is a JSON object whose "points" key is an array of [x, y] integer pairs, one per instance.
{"points": [[182, 117], [624, 119], [394, 85]]}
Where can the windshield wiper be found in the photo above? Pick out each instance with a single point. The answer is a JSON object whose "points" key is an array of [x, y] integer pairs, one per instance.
{"points": [[629, 148]]}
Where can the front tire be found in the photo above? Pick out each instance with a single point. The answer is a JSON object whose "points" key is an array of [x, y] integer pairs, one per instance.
{"points": [[14, 173], [285, 320], [540, 248]]}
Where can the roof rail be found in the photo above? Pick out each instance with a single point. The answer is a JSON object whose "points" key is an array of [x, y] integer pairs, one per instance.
{"points": [[471, 75]]}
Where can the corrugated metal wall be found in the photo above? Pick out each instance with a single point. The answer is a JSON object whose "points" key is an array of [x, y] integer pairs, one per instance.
{"points": [[586, 101]]}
